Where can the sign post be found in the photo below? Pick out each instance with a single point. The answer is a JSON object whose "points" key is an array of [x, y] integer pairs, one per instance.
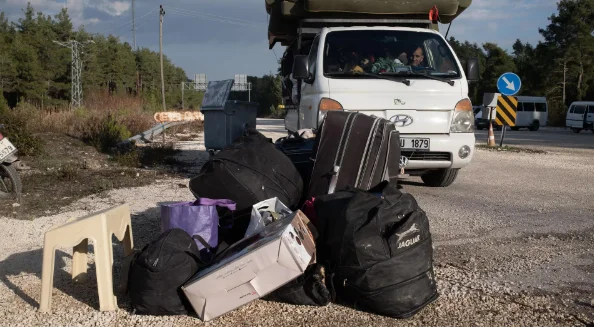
{"points": [[508, 84]]}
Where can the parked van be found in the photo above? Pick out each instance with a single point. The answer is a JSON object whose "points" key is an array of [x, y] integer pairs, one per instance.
{"points": [[532, 113], [580, 116]]}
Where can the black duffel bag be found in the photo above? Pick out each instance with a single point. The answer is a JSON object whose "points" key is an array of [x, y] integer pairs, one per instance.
{"points": [[159, 270], [378, 250], [249, 170]]}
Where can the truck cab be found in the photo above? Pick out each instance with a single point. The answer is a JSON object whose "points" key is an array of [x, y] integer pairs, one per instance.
{"points": [[407, 74]]}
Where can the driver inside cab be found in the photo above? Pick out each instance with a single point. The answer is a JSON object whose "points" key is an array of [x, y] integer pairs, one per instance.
{"points": [[417, 57]]}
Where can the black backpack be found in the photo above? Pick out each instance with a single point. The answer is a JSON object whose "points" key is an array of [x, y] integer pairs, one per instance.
{"points": [[378, 250], [159, 270]]}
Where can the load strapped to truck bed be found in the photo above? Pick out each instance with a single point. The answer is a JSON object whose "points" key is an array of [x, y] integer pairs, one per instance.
{"points": [[287, 16]]}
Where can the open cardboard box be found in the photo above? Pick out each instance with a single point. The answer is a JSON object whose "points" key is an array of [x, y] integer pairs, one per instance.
{"points": [[252, 268]]}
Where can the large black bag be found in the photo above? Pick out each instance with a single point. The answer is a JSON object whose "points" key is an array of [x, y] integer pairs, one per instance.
{"points": [[300, 152], [249, 170], [378, 250], [354, 150], [307, 289], [159, 270]]}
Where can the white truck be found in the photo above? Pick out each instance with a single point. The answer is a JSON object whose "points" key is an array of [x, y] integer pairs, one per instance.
{"points": [[398, 67]]}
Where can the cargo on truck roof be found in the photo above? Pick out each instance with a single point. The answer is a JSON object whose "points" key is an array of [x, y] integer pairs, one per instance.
{"points": [[288, 16]]}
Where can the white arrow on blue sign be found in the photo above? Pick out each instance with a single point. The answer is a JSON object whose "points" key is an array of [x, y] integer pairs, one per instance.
{"points": [[509, 84]]}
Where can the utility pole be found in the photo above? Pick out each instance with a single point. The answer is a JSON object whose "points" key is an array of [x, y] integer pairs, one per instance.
{"points": [[564, 74], [183, 84], [76, 95], [161, 14], [133, 25]]}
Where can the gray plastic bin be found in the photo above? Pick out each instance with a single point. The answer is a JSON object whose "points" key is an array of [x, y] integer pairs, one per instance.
{"points": [[223, 125]]}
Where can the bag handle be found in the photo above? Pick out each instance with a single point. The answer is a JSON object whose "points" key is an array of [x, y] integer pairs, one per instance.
{"points": [[201, 240], [217, 202]]}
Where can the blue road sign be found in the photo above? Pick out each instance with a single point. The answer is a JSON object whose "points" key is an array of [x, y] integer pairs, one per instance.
{"points": [[509, 84]]}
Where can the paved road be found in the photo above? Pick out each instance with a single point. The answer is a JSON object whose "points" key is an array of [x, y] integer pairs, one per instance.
{"points": [[547, 138], [513, 223]]}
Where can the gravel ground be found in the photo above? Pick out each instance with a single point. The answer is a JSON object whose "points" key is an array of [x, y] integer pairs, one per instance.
{"points": [[513, 246]]}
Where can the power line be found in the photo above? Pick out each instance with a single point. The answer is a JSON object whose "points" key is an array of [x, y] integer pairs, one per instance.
{"points": [[219, 19], [129, 22], [215, 16]]}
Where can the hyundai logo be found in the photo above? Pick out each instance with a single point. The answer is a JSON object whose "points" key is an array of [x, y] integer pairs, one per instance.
{"points": [[401, 120]]}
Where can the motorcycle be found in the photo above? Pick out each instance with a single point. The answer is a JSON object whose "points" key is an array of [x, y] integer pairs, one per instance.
{"points": [[11, 185]]}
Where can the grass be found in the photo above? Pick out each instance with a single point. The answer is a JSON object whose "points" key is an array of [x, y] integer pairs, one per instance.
{"points": [[507, 148]]}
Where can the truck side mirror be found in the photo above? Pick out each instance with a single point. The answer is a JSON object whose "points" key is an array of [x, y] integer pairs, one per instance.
{"points": [[471, 69], [301, 67]]}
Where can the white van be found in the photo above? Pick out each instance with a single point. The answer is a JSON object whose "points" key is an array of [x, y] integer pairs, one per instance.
{"points": [[580, 116], [532, 113], [428, 102]]}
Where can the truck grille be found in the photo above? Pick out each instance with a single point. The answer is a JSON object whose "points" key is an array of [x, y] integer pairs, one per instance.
{"points": [[428, 156]]}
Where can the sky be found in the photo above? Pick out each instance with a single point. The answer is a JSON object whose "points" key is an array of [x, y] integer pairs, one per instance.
{"points": [[221, 38]]}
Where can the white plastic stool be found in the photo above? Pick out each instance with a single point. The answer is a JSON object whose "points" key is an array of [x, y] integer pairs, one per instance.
{"points": [[99, 227]]}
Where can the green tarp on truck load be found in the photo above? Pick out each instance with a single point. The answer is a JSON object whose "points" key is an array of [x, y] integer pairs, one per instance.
{"points": [[285, 14], [303, 8]]}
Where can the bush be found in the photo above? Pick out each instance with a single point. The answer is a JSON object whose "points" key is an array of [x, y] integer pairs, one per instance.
{"points": [[106, 134], [16, 129]]}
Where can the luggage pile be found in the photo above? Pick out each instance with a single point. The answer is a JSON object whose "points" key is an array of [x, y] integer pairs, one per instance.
{"points": [[304, 220]]}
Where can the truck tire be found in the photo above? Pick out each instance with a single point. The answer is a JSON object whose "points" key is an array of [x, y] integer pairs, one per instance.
{"points": [[535, 126], [440, 178], [576, 130]]}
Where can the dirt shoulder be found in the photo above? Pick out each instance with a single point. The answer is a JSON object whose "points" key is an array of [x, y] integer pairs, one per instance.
{"points": [[69, 170]]}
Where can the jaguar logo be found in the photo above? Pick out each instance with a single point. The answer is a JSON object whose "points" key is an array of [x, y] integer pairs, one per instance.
{"points": [[401, 120], [399, 102]]}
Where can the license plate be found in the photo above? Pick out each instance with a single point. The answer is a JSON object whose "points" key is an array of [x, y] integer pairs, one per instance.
{"points": [[414, 144], [6, 149]]}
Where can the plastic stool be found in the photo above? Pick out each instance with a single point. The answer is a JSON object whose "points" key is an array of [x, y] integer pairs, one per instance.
{"points": [[99, 227]]}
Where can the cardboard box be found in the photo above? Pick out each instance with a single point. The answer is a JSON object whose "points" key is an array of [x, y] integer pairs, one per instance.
{"points": [[252, 268]]}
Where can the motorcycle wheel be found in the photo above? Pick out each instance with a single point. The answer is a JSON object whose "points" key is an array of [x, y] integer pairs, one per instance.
{"points": [[11, 185]]}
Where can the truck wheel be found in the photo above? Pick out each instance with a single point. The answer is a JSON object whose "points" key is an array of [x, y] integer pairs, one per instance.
{"points": [[535, 126], [576, 130], [515, 128], [440, 178]]}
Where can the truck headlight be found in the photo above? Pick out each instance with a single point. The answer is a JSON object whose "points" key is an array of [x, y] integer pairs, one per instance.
{"points": [[463, 120], [327, 104]]}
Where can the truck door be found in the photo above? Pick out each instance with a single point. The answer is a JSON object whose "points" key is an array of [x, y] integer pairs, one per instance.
{"points": [[589, 122], [575, 117], [308, 103]]}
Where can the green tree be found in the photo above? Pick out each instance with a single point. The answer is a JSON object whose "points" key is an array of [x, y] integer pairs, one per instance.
{"points": [[497, 62]]}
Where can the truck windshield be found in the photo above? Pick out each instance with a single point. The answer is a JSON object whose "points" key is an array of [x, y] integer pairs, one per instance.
{"points": [[416, 54]]}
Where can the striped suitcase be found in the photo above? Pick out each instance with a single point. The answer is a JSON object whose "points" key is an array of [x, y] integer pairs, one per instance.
{"points": [[354, 150]]}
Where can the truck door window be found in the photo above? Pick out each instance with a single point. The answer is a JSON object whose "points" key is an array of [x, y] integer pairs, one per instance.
{"points": [[313, 55], [591, 109], [580, 110]]}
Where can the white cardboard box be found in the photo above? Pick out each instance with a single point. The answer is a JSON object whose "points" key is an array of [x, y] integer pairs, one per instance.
{"points": [[252, 268]]}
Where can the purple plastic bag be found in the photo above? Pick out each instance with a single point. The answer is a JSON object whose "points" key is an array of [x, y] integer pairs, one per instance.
{"points": [[196, 218]]}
